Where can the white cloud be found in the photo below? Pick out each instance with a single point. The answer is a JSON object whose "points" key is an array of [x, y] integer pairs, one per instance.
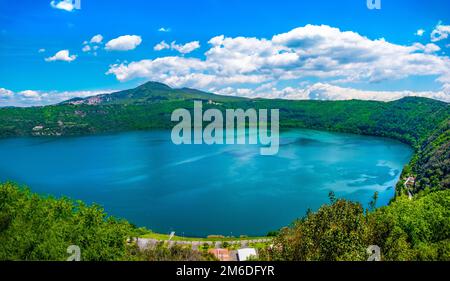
{"points": [[41, 51], [325, 91], [5, 94], [93, 44], [62, 55], [440, 32], [183, 49], [124, 43], [97, 39], [249, 55], [164, 29], [66, 5], [29, 95], [38, 98], [320, 52], [428, 48], [86, 48], [328, 52], [180, 71], [186, 48], [161, 46], [420, 32]]}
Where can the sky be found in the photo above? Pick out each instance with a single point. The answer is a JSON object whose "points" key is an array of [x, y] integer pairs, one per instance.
{"points": [[327, 50]]}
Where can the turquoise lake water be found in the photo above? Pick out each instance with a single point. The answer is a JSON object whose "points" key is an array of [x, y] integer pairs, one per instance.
{"points": [[199, 190]]}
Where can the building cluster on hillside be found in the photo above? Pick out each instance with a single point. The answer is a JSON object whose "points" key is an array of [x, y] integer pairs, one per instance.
{"points": [[242, 253]]}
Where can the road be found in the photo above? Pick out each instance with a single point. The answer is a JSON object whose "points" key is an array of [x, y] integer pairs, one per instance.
{"points": [[146, 242], [408, 180]]}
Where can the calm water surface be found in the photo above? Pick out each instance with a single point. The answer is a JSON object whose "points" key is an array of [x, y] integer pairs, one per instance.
{"points": [[200, 189]]}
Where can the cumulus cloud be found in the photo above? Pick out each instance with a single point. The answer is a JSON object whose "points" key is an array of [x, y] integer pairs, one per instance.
{"points": [[5, 94], [185, 48], [41, 51], [39, 98], [420, 32], [180, 71], [325, 91], [164, 29], [428, 48], [86, 48], [66, 5], [62, 55], [440, 32], [92, 44], [124, 43], [319, 52], [328, 52], [97, 39], [161, 46]]}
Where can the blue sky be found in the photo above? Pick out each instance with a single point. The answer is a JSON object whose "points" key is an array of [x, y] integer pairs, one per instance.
{"points": [[286, 49]]}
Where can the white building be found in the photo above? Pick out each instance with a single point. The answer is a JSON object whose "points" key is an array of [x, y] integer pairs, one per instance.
{"points": [[246, 253]]}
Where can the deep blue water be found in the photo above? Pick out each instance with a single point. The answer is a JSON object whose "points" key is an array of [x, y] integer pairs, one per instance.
{"points": [[201, 189]]}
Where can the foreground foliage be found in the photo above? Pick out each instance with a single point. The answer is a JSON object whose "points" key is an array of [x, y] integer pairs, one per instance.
{"points": [[33, 227], [406, 230]]}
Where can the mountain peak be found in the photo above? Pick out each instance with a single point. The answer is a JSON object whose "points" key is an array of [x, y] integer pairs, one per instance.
{"points": [[153, 85]]}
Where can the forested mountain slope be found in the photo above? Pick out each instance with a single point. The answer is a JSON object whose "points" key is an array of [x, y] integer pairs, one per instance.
{"points": [[149, 106], [432, 162]]}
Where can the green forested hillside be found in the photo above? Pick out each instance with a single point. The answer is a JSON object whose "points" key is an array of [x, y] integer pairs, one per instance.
{"points": [[432, 162], [149, 106], [405, 230], [33, 227], [36, 228], [151, 92]]}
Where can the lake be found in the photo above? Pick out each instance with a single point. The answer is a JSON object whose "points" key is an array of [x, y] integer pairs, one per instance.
{"points": [[199, 190]]}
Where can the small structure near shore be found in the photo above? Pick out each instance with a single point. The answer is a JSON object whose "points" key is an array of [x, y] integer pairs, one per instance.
{"points": [[409, 185], [410, 182], [221, 254], [246, 253]]}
